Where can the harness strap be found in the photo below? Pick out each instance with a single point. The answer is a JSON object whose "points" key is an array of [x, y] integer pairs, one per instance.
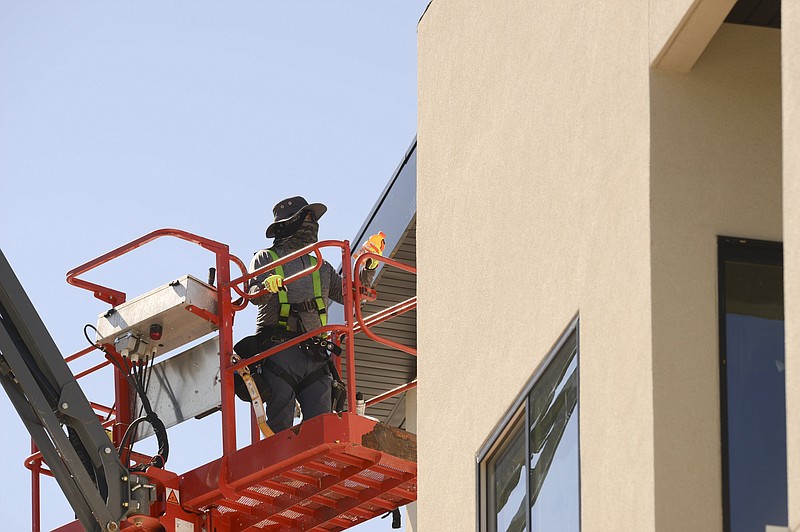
{"points": [[321, 310], [283, 297], [304, 306], [255, 398]]}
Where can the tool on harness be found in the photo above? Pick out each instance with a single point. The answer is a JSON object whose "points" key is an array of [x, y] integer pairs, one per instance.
{"points": [[316, 347], [320, 347], [283, 298], [248, 347], [338, 389], [255, 398]]}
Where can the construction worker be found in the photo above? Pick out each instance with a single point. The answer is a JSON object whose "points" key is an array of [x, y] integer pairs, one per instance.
{"points": [[299, 372]]}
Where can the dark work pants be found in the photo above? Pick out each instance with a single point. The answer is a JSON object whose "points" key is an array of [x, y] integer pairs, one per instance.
{"points": [[314, 399]]}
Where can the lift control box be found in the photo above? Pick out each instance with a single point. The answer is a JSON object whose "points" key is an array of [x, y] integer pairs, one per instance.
{"points": [[160, 320]]}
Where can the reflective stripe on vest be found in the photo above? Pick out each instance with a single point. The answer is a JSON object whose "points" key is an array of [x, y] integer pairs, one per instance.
{"points": [[283, 297]]}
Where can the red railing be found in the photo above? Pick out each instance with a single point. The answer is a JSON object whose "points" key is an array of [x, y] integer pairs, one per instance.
{"points": [[396, 310], [354, 322]]}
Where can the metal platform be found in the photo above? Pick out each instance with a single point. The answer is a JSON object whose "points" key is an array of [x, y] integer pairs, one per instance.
{"points": [[327, 474]]}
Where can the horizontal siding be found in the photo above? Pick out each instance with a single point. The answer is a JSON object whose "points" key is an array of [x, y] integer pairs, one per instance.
{"points": [[380, 368]]}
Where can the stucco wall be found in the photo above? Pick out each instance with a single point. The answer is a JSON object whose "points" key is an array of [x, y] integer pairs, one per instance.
{"points": [[533, 206], [790, 49], [681, 29], [666, 17], [716, 170]]}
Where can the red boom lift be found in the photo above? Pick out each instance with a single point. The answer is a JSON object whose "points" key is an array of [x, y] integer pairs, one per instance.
{"points": [[326, 474]]}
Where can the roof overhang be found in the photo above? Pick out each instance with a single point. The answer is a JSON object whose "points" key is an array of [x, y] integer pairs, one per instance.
{"points": [[380, 368], [697, 23], [690, 37]]}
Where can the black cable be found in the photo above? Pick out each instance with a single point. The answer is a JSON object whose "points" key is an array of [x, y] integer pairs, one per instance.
{"points": [[149, 363], [159, 428], [124, 371], [160, 431], [128, 432], [111, 410], [138, 378], [132, 376], [143, 379], [161, 437], [92, 343], [141, 409], [149, 373]]}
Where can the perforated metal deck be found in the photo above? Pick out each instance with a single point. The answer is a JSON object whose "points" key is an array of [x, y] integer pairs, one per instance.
{"points": [[327, 474]]}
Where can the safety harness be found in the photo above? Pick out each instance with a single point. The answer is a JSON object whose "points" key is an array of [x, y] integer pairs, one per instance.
{"points": [[314, 347], [319, 345], [283, 297]]}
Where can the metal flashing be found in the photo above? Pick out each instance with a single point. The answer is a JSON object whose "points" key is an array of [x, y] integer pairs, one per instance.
{"points": [[380, 368]]}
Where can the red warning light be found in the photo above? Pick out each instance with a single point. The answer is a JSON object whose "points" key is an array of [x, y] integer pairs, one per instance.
{"points": [[155, 331]]}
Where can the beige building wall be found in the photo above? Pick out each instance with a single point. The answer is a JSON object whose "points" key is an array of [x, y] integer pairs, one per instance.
{"points": [[790, 48], [559, 175], [681, 29], [533, 206], [666, 17], [715, 170]]}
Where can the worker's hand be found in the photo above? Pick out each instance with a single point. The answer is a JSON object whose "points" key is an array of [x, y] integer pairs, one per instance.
{"points": [[374, 244], [273, 283]]}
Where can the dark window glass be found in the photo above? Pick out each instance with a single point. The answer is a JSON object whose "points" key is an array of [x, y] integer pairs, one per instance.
{"points": [[541, 493], [753, 385]]}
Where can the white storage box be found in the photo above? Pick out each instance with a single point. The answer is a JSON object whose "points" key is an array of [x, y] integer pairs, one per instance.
{"points": [[166, 306]]}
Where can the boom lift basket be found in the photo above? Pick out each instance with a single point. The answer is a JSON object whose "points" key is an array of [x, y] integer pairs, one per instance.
{"points": [[328, 473]]}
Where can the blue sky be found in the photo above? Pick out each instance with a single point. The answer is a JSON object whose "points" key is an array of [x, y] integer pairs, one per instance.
{"points": [[121, 117]]}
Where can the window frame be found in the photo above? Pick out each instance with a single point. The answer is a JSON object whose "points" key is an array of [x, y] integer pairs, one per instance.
{"points": [[519, 412]]}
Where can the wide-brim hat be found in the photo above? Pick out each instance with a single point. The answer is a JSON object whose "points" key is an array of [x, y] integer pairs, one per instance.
{"points": [[292, 208]]}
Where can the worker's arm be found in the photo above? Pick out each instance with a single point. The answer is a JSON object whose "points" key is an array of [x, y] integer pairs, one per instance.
{"points": [[335, 291], [256, 284], [374, 244], [367, 276]]}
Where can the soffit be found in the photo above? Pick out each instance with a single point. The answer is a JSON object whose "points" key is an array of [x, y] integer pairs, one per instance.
{"points": [[380, 368], [765, 13], [700, 23]]}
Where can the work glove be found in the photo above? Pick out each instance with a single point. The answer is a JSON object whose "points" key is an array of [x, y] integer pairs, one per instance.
{"points": [[273, 283], [374, 244]]}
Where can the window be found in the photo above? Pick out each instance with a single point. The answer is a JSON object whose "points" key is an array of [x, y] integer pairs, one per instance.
{"points": [[528, 472], [752, 384]]}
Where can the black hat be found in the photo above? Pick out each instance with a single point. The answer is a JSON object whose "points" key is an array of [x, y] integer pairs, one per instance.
{"points": [[291, 208]]}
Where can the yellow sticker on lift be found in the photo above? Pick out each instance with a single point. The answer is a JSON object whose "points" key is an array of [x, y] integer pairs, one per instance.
{"points": [[173, 496]]}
